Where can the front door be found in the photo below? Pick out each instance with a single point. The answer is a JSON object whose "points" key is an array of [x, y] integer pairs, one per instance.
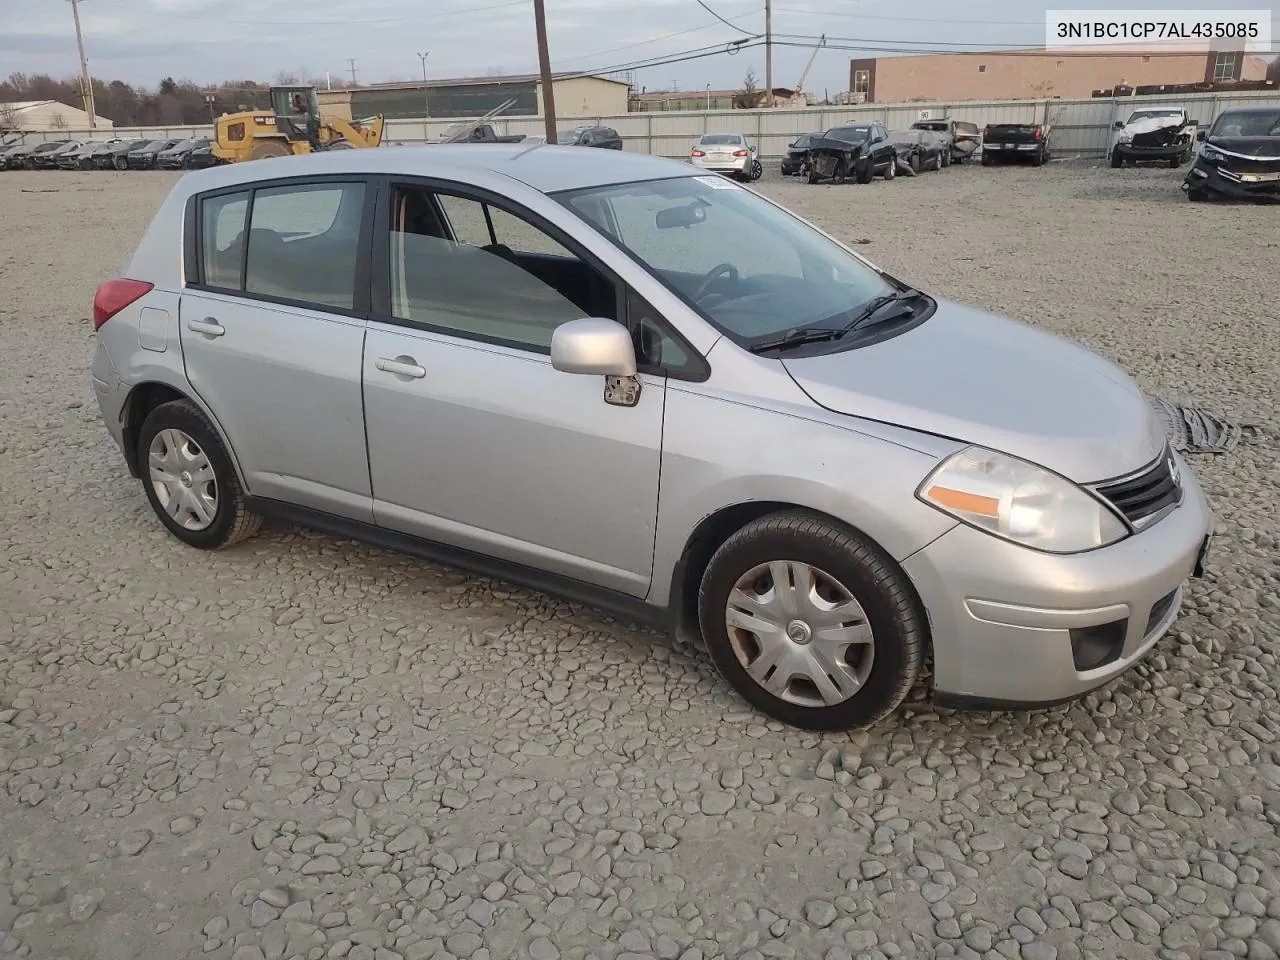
{"points": [[475, 440], [272, 343]]}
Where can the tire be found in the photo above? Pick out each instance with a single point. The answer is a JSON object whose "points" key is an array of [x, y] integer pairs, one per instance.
{"points": [[813, 175], [1039, 158], [186, 162], [945, 158], [891, 171], [757, 170], [1197, 196], [120, 163], [231, 520], [916, 163], [339, 145], [987, 159], [1175, 163], [1117, 161], [269, 148], [870, 684]]}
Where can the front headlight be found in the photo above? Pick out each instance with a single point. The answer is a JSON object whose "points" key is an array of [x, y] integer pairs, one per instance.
{"points": [[1019, 501], [1125, 137], [1211, 155]]}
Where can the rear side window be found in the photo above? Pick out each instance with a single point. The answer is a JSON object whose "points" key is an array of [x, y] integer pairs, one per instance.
{"points": [[304, 242], [223, 240]]}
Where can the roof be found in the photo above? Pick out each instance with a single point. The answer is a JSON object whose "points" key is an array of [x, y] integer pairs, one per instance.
{"points": [[478, 81], [543, 167], [654, 96]]}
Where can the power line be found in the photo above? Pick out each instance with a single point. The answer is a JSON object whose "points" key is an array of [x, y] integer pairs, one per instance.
{"points": [[722, 19], [870, 16], [879, 46]]}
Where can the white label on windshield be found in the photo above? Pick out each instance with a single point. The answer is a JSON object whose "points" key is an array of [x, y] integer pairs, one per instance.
{"points": [[717, 183]]}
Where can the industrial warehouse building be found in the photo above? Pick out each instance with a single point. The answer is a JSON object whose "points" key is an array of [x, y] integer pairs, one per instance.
{"points": [[1036, 74], [44, 116], [575, 96]]}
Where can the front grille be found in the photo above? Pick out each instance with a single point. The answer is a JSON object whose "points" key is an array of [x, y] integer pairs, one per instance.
{"points": [[1146, 493]]}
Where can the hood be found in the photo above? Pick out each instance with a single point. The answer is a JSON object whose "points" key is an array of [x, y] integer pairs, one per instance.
{"points": [[839, 146], [1152, 124], [982, 379], [1265, 147]]}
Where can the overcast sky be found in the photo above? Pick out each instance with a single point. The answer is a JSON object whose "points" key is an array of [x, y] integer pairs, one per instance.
{"points": [[207, 41]]}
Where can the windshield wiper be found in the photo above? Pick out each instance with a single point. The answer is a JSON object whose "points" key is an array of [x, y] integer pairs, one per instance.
{"points": [[797, 337], [878, 305]]}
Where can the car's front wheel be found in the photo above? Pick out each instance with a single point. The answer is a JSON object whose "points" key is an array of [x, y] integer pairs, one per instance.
{"points": [[121, 163], [811, 622], [189, 479]]}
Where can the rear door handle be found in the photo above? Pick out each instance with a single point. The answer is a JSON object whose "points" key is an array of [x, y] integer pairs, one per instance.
{"points": [[208, 326], [401, 367]]}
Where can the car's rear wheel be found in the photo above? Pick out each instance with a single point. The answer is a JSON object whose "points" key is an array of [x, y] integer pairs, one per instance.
{"points": [[1175, 162], [121, 163], [189, 479], [811, 622], [987, 159]]}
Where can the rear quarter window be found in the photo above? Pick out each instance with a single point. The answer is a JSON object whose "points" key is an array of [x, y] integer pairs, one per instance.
{"points": [[222, 241]]}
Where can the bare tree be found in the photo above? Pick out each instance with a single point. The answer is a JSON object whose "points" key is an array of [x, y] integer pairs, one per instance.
{"points": [[749, 96], [8, 118], [58, 122]]}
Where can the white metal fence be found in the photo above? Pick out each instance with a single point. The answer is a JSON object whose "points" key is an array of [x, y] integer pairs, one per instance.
{"points": [[1081, 128]]}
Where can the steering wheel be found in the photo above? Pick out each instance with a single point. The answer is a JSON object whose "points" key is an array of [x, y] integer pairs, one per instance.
{"points": [[712, 275]]}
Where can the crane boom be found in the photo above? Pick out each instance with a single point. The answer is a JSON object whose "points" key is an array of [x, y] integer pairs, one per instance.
{"points": [[822, 41]]}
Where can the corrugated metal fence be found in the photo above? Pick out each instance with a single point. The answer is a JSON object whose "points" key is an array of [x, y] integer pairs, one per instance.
{"points": [[1081, 128]]}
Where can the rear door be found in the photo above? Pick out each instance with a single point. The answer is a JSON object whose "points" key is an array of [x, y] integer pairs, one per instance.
{"points": [[272, 327]]}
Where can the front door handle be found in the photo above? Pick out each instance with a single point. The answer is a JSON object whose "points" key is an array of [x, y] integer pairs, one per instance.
{"points": [[208, 326], [401, 367]]}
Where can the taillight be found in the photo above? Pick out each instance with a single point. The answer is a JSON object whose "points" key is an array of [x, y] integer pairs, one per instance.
{"points": [[114, 295], [699, 153], [1039, 132], [740, 153]]}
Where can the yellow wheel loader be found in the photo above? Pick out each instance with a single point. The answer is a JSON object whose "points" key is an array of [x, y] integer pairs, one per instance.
{"points": [[293, 125]]}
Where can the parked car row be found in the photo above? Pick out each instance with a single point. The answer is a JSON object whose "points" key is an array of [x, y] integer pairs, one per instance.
{"points": [[114, 154], [863, 151]]}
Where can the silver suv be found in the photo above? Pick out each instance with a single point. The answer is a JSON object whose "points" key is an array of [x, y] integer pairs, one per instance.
{"points": [[639, 385]]}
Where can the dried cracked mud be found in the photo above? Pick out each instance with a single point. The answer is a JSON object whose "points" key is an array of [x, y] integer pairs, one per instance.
{"points": [[307, 748]]}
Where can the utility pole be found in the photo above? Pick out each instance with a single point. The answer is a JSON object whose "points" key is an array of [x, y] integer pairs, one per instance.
{"points": [[426, 100], [352, 63], [768, 52], [544, 67], [86, 84]]}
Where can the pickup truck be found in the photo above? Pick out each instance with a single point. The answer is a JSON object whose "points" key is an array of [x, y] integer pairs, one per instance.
{"points": [[959, 138], [1164, 134], [485, 133], [1001, 141]]}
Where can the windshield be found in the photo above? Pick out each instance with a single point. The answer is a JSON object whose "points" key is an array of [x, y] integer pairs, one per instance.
{"points": [[851, 134], [803, 140], [1152, 114], [749, 267], [722, 139], [935, 125], [573, 134], [1260, 123]]}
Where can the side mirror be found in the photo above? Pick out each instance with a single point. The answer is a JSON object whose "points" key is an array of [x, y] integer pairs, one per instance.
{"points": [[1201, 135], [593, 345], [1119, 124]]}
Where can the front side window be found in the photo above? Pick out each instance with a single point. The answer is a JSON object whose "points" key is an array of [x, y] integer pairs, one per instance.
{"points": [[752, 269], [304, 242], [477, 270]]}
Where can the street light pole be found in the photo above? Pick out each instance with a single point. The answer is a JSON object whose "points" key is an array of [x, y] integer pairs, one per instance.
{"points": [[426, 100], [89, 107], [544, 68]]}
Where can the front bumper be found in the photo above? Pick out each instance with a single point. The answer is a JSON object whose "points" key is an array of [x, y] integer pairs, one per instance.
{"points": [[1209, 176], [732, 165], [1138, 153], [1003, 615]]}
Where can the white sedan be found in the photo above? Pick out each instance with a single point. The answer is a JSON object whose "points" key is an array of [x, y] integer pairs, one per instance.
{"points": [[727, 153]]}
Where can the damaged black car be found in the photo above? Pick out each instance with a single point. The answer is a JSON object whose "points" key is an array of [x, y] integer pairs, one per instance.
{"points": [[858, 150], [1239, 157]]}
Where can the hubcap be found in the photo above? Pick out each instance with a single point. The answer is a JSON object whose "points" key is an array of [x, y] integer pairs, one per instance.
{"points": [[799, 633], [183, 479]]}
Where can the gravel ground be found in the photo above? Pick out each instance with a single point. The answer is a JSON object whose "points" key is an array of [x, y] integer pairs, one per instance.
{"points": [[307, 748]]}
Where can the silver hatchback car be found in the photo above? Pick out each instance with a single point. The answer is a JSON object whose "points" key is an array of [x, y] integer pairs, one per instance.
{"points": [[634, 384]]}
